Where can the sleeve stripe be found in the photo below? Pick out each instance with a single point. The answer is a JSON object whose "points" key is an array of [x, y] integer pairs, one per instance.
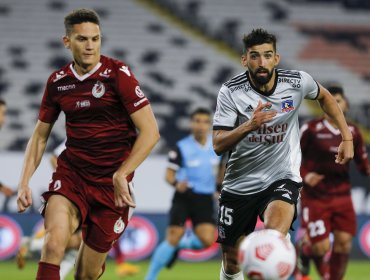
{"points": [[220, 127]]}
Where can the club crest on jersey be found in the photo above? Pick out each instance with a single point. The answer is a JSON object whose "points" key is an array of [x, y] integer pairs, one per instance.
{"points": [[98, 89], [138, 92], [287, 106], [119, 226]]}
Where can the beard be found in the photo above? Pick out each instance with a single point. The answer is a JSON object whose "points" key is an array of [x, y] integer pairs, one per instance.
{"points": [[261, 80]]}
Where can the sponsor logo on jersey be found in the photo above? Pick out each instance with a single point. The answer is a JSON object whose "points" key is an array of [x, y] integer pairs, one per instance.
{"points": [[139, 102], [83, 104], [269, 134], [105, 73], [249, 109], [98, 89], [295, 82], [242, 86], [66, 87], [119, 226], [125, 70], [287, 105], [59, 76]]}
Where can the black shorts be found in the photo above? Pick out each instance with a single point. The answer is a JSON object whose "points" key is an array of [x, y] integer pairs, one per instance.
{"points": [[188, 205], [237, 214]]}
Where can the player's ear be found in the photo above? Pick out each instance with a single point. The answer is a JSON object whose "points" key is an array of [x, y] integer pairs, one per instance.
{"points": [[66, 42], [243, 60], [277, 59]]}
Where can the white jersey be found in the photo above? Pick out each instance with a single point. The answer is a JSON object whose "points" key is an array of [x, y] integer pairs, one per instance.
{"points": [[273, 151]]}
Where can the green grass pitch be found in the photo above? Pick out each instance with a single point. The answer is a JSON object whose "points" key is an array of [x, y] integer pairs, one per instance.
{"points": [[357, 270]]}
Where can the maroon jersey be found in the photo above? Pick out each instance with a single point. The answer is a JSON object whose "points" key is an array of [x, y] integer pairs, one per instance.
{"points": [[97, 106], [319, 144]]}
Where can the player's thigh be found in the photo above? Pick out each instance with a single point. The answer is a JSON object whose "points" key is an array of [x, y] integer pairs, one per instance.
{"points": [[316, 218], [179, 211], [279, 206], [61, 216], [344, 216], [320, 247], [237, 216], [89, 262]]}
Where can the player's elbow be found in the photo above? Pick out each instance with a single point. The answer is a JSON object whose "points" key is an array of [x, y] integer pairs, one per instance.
{"points": [[217, 147]]}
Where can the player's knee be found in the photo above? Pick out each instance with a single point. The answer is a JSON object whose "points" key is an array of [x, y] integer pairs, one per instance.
{"points": [[85, 274], [207, 240], [321, 248], [53, 249], [342, 246]]}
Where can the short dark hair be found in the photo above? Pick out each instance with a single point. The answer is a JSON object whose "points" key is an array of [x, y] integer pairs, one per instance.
{"points": [[336, 89], [258, 36], [200, 111], [2, 102], [80, 16]]}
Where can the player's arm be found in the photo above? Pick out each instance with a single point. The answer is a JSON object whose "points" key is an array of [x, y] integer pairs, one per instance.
{"points": [[170, 177], [146, 124], [6, 190], [225, 140], [34, 151], [331, 108]]}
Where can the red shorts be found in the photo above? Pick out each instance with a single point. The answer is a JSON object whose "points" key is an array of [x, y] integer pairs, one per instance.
{"points": [[322, 216], [102, 223]]}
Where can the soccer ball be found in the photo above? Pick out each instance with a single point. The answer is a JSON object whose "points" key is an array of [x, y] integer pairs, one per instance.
{"points": [[267, 255]]}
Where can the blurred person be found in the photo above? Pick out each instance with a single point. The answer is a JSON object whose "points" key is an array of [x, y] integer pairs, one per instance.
{"points": [[5, 190], [110, 131], [256, 120], [192, 171], [326, 195]]}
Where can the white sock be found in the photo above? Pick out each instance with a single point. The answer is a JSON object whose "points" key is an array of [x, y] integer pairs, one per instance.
{"points": [[224, 276], [68, 263], [288, 237], [36, 244]]}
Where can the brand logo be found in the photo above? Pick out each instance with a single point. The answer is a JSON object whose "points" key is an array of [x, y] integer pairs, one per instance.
{"points": [[119, 226], [67, 87], [105, 73], [125, 70], [57, 185], [98, 89], [287, 105], [59, 75], [286, 195], [249, 109]]}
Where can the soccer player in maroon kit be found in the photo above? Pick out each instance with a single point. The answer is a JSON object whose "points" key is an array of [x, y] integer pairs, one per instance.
{"points": [[91, 187], [326, 196]]}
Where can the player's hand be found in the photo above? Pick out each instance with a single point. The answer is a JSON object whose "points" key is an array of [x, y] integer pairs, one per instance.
{"points": [[260, 116], [8, 192], [122, 196], [24, 198], [345, 152], [313, 178], [181, 186]]}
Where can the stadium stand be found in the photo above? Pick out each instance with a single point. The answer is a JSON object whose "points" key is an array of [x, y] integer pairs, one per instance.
{"points": [[180, 50]]}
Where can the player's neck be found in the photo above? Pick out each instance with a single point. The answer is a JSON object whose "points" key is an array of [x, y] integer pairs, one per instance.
{"points": [[81, 70], [201, 140], [329, 120], [265, 87]]}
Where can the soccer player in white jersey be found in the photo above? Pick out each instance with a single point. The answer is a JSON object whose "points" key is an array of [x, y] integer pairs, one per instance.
{"points": [[256, 120]]}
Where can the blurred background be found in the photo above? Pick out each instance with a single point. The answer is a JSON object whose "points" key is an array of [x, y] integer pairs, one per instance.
{"points": [[181, 51]]}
